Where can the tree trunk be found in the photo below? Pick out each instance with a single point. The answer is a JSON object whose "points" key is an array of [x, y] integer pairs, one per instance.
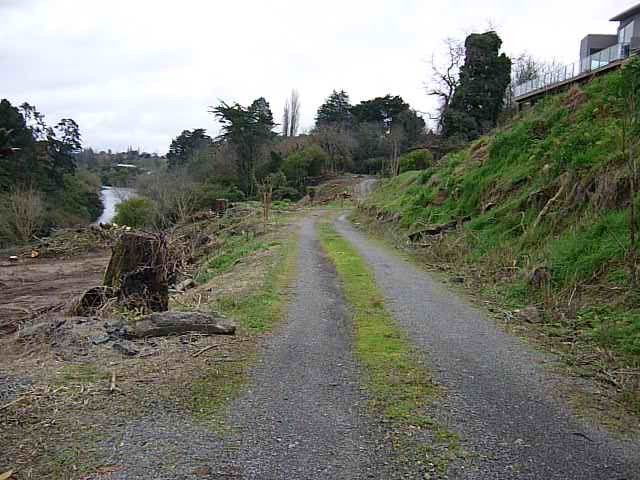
{"points": [[137, 271]]}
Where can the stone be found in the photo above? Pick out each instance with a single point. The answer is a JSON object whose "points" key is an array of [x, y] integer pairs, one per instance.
{"points": [[539, 277], [41, 330], [126, 348], [162, 324], [531, 314], [100, 339], [185, 285]]}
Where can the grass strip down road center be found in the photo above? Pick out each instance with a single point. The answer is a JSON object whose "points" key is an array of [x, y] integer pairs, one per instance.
{"points": [[399, 385]]}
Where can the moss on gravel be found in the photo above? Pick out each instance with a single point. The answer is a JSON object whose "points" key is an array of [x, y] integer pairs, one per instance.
{"points": [[400, 387]]}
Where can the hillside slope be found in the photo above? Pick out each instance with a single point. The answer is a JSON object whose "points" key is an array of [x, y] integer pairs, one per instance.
{"points": [[536, 214]]}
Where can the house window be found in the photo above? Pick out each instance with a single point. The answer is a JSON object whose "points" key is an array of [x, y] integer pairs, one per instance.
{"points": [[625, 33], [624, 39]]}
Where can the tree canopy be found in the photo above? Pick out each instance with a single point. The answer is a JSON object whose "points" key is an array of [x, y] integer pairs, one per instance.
{"points": [[384, 110], [246, 129], [336, 110], [185, 146], [478, 99], [31, 152]]}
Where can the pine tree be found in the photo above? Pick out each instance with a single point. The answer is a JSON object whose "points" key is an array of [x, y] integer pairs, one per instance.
{"points": [[335, 111]]}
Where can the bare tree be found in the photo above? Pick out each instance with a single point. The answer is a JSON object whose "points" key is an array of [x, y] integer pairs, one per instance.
{"points": [[525, 68], [294, 121], [291, 115], [285, 119], [393, 140], [445, 76], [265, 189]]}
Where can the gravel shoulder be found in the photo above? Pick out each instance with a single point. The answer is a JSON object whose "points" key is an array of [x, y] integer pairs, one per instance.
{"points": [[499, 397]]}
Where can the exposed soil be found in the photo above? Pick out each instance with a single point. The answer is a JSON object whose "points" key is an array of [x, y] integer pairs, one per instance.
{"points": [[32, 287]]}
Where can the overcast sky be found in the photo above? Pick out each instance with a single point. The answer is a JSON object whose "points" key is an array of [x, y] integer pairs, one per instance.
{"points": [[138, 72]]}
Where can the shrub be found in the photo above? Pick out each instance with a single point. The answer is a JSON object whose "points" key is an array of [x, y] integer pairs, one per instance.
{"points": [[299, 166], [77, 203], [135, 212], [415, 160], [22, 215]]}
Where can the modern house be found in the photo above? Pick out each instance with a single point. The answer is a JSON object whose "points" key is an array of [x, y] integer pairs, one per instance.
{"points": [[598, 53], [599, 50]]}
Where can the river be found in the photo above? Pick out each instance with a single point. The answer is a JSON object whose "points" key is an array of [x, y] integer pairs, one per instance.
{"points": [[112, 196]]}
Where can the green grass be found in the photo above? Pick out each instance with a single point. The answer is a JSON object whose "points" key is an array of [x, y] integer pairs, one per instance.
{"points": [[400, 387], [83, 373], [566, 147], [256, 314], [233, 249], [582, 239]]}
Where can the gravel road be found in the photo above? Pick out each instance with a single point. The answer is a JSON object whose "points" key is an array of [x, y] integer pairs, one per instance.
{"points": [[499, 396], [301, 416]]}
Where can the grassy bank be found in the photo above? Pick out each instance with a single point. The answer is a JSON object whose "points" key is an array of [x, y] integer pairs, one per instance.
{"points": [[256, 313], [398, 383], [537, 215]]}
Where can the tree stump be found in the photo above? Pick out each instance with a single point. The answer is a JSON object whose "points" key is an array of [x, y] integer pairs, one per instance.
{"points": [[138, 272]]}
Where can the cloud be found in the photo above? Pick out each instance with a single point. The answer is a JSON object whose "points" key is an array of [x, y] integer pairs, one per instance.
{"points": [[139, 72]]}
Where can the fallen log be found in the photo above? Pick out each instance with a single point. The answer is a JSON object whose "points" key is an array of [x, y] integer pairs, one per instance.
{"points": [[176, 323], [432, 230]]}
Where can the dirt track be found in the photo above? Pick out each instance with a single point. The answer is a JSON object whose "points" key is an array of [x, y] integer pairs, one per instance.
{"points": [[31, 287]]}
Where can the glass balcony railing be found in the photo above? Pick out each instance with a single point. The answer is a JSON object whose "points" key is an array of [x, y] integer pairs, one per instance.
{"points": [[593, 62]]}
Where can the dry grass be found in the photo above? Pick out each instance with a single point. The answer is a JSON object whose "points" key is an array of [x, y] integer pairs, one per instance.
{"points": [[51, 428]]}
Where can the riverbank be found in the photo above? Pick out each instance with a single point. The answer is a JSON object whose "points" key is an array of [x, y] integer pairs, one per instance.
{"points": [[111, 197]]}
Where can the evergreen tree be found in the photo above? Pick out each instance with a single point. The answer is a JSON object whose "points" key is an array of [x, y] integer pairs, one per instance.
{"points": [[382, 110], [335, 111], [16, 146], [185, 146], [247, 130], [478, 99]]}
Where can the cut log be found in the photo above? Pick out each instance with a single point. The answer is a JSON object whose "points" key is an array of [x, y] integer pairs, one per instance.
{"points": [[91, 301], [138, 271], [177, 323], [432, 230]]}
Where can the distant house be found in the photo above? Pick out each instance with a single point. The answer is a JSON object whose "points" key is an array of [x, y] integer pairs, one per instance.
{"points": [[598, 53], [597, 50]]}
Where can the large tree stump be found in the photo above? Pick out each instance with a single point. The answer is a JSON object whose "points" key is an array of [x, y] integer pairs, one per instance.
{"points": [[138, 273]]}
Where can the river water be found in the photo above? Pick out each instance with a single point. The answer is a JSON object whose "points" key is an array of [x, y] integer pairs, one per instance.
{"points": [[112, 196]]}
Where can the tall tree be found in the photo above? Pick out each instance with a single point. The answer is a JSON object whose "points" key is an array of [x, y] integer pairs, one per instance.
{"points": [[185, 147], [291, 116], [384, 110], [286, 115], [479, 97], [247, 130], [335, 111], [17, 146], [35, 155], [294, 113]]}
